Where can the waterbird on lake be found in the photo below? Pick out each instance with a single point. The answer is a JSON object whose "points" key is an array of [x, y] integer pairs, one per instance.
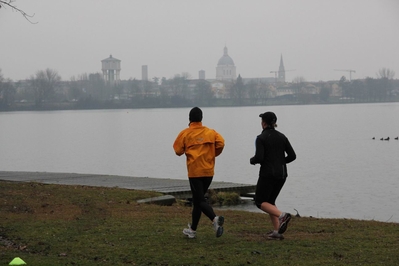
{"points": [[373, 137], [387, 138], [381, 138], [397, 138]]}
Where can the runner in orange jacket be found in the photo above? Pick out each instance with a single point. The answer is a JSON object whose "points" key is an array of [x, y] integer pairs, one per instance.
{"points": [[201, 145]]}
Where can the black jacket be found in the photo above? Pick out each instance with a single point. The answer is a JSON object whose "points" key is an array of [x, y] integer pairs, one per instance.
{"points": [[273, 153]]}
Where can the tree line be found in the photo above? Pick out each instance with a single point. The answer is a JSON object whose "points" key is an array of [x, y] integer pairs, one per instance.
{"points": [[46, 90]]}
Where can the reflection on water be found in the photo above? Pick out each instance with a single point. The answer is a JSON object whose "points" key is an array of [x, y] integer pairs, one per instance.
{"points": [[340, 170]]}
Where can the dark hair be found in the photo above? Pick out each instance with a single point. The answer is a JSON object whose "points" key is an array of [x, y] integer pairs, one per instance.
{"points": [[269, 118], [195, 115]]}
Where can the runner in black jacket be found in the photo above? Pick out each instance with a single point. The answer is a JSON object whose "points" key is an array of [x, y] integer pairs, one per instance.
{"points": [[273, 152]]}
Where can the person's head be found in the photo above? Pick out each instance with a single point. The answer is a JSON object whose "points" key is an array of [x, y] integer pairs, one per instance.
{"points": [[195, 115], [268, 119]]}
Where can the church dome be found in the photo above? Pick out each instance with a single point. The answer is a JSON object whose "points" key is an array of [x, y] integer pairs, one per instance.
{"points": [[225, 59]]}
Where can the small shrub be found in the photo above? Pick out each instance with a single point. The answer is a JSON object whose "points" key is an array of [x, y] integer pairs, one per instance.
{"points": [[228, 198], [212, 196]]}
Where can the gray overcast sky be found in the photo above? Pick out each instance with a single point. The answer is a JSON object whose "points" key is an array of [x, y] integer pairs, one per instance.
{"points": [[174, 36]]}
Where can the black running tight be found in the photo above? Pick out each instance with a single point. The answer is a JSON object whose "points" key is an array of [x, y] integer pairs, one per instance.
{"points": [[199, 186]]}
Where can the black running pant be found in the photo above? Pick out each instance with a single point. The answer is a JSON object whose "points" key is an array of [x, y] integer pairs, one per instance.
{"points": [[199, 186]]}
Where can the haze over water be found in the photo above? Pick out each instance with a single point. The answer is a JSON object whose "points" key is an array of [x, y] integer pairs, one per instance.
{"points": [[340, 171]]}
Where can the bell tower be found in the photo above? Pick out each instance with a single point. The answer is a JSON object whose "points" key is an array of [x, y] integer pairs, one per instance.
{"points": [[281, 71]]}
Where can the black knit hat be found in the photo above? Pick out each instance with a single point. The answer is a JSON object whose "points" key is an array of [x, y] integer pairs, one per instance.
{"points": [[269, 118], [195, 115]]}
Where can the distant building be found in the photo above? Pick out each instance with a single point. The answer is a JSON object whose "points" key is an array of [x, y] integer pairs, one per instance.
{"points": [[201, 74], [285, 90], [262, 80], [144, 72], [111, 68], [219, 89], [281, 71], [226, 70]]}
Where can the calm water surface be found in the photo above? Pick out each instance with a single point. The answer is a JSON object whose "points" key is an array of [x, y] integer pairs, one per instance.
{"points": [[340, 171]]}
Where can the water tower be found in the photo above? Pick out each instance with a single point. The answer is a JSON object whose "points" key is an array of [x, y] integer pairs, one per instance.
{"points": [[111, 68]]}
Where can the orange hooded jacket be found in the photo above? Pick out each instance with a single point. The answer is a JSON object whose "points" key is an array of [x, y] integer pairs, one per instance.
{"points": [[201, 145]]}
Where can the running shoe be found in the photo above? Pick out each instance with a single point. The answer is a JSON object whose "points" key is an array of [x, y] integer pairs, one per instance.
{"points": [[275, 236], [218, 225], [283, 221], [189, 232]]}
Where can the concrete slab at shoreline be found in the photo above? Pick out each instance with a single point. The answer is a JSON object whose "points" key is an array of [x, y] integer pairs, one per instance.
{"points": [[176, 187]]}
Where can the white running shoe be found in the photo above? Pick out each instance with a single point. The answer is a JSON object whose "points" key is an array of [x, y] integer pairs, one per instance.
{"points": [[275, 236], [218, 225], [189, 232]]}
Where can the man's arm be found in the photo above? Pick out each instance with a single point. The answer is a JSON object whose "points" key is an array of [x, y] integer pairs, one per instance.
{"points": [[219, 144], [259, 153], [291, 156], [178, 145]]}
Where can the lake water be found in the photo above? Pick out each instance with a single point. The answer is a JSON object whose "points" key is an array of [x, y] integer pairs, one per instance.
{"points": [[340, 171]]}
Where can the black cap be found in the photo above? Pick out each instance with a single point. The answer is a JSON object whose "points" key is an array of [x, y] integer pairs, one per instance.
{"points": [[269, 117], [195, 115]]}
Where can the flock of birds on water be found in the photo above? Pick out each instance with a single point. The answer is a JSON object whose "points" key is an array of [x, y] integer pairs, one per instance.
{"points": [[387, 138]]}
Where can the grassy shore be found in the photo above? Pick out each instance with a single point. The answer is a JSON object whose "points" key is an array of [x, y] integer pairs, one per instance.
{"points": [[80, 225]]}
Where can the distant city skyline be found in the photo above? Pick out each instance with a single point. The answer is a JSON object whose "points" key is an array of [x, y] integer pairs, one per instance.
{"points": [[316, 38], [225, 70]]}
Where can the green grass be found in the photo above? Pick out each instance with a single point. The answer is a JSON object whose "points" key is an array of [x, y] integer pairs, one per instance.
{"points": [[80, 225]]}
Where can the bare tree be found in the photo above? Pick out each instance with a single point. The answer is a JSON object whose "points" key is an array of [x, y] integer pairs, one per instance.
{"points": [[7, 91], [298, 82], [384, 83], [204, 93], [44, 84], [238, 91], [9, 3], [385, 73]]}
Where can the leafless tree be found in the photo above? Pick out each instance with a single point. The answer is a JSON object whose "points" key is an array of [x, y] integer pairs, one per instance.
{"points": [[10, 3], [44, 84], [7, 91], [386, 73], [299, 80]]}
